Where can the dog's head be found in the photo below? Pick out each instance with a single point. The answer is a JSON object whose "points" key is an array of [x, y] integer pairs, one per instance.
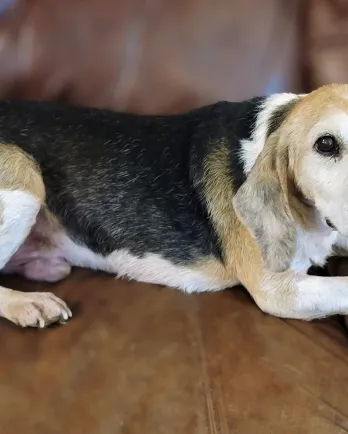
{"points": [[301, 171]]}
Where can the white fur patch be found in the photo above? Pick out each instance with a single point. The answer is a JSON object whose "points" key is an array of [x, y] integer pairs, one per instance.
{"points": [[334, 123], [318, 297], [252, 148], [150, 268], [327, 178], [18, 211], [313, 248], [153, 268]]}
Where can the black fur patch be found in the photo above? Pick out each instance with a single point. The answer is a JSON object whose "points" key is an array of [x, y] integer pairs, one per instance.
{"points": [[121, 181], [279, 115]]}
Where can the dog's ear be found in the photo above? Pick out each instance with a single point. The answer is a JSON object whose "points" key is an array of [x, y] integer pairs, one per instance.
{"points": [[262, 204]]}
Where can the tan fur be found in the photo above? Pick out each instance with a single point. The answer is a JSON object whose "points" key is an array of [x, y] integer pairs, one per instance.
{"points": [[216, 271], [20, 172], [218, 189], [250, 271]]}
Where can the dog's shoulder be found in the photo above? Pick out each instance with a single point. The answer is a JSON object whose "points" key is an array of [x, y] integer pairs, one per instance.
{"points": [[217, 143]]}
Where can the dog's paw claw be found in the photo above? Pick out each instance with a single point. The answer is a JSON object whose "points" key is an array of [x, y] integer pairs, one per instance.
{"points": [[37, 309]]}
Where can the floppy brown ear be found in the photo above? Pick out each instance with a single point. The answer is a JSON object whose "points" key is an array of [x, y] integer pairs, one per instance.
{"points": [[262, 204]]}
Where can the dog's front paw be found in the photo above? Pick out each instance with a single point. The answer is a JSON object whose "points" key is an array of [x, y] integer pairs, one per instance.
{"points": [[36, 309]]}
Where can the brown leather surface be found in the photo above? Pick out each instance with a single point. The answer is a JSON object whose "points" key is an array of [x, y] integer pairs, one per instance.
{"points": [[141, 359], [328, 41], [149, 56]]}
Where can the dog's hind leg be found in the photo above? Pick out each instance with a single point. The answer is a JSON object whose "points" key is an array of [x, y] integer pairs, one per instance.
{"points": [[22, 194]]}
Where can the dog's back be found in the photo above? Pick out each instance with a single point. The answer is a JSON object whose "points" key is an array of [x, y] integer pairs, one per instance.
{"points": [[122, 181]]}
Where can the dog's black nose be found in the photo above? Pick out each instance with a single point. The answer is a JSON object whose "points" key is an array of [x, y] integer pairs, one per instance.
{"points": [[330, 224]]}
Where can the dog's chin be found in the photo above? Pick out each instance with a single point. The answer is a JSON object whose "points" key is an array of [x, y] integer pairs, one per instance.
{"points": [[337, 228], [343, 233]]}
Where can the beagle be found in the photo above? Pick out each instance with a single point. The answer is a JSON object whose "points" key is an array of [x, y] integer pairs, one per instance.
{"points": [[250, 193]]}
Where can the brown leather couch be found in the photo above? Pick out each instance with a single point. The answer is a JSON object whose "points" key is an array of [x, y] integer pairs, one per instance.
{"points": [[142, 359]]}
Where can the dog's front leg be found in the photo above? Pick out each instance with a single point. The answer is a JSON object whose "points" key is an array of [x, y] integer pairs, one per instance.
{"points": [[21, 198], [300, 296], [290, 294]]}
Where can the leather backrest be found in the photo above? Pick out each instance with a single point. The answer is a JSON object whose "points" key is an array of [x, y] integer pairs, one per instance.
{"points": [[148, 56]]}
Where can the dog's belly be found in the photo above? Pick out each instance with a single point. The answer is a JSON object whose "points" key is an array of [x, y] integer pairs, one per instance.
{"points": [[48, 254]]}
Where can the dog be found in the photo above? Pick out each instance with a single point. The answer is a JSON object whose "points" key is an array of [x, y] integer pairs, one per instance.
{"points": [[251, 193]]}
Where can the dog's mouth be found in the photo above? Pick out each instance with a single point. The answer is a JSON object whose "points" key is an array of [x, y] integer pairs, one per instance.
{"points": [[310, 204], [330, 224]]}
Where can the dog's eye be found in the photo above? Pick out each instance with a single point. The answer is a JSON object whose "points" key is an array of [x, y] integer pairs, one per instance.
{"points": [[327, 145]]}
